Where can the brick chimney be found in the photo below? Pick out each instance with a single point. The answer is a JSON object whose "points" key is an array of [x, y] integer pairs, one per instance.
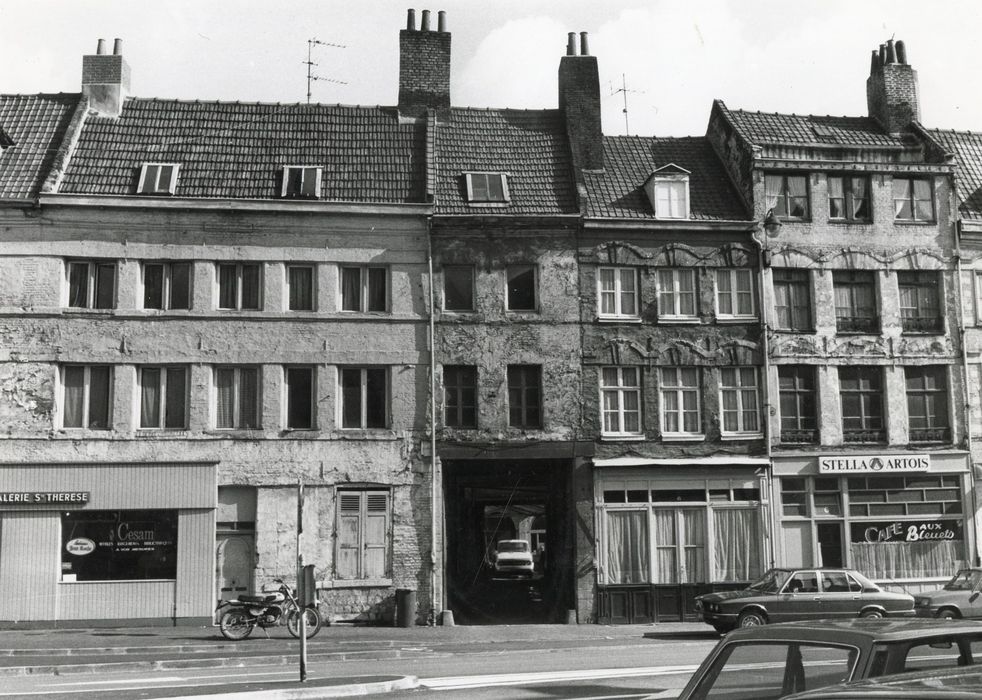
{"points": [[891, 89], [106, 79], [424, 65], [579, 101]]}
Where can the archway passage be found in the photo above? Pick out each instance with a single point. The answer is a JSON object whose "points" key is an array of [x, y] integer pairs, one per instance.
{"points": [[512, 506]]}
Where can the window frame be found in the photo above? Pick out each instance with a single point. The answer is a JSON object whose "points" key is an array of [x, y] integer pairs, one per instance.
{"points": [[852, 280], [471, 280], [938, 426], [237, 397], [680, 389], [676, 296], [290, 421], [163, 387], [458, 389], [150, 175], [485, 194], [364, 289], [801, 433], [167, 285], [733, 273], [518, 376], [865, 397], [511, 272], [740, 391], [621, 389], [363, 397], [673, 185], [912, 200], [795, 281], [240, 268], [618, 293], [288, 284], [85, 412], [849, 198], [363, 545], [93, 279], [926, 283], [785, 197], [286, 192]]}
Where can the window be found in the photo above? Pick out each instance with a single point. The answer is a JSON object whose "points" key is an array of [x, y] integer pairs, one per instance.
{"points": [[627, 546], [787, 195], [792, 299], [239, 286], [158, 178], [118, 545], [739, 402], [458, 287], [849, 198], [167, 285], [799, 403], [861, 391], [364, 397], [677, 294], [91, 284], [525, 396], [364, 289], [680, 410], [299, 397], [460, 396], [521, 288], [237, 397], [913, 199], [163, 397], [300, 287], [620, 398], [487, 187], [87, 396], [617, 292], [855, 302], [363, 534], [301, 182], [920, 305], [735, 293], [671, 199], [927, 404]]}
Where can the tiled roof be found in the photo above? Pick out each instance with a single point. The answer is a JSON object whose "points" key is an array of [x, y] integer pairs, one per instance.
{"points": [[967, 148], [618, 190], [238, 150], [530, 146], [36, 125]]}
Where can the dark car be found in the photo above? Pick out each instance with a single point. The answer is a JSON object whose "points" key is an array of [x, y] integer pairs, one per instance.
{"points": [[765, 663], [960, 597], [785, 595], [937, 684]]}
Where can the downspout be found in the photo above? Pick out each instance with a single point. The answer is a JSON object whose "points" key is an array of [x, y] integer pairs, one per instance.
{"points": [[766, 418], [435, 482]]}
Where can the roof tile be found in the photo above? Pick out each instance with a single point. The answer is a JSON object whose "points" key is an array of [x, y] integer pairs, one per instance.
{"points": [[36, 125]]}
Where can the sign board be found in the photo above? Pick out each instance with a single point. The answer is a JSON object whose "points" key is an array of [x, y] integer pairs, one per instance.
{"points": [[35, 498], [873, 464], [906, 531]]}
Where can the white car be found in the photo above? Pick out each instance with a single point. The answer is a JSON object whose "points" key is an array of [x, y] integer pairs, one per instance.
{"points": [[514, 557]]}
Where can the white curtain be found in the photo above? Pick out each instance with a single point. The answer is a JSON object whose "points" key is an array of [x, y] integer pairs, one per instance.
{"points": [[737, 545], [666, 544], [627, 546], [884, 560]]}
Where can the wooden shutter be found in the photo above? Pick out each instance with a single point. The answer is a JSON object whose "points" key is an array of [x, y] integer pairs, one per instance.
{"points": [[349, 531], [376, 531]]}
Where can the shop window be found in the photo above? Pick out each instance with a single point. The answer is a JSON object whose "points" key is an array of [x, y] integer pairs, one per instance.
{"points": [[792, 299], [739, 402], [364, 288], [787, 195], [239, 286], [167, 285], [460, 396], [364, 397], [525, 396], [913, 199], [163, 397], [458, 287], [300, 287], [735, 294], [681, 415], [861, 392], [237, 398], [855, 301], [620, 398], [678, 495], [827, 496], [521, 290], [799, 403], [158, 178], [677, 295], [794, 496], [134, 545], [849, 198], [927, 404], [363, 534], [300, 397], [617, 292], [91, 284], [736, 550], [87, 396], [920, 306], [626, 546], [301, 182]]}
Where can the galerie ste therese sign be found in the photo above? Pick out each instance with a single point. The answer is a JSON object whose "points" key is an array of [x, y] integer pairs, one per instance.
{"points": [[40, 498], [874, 464]]}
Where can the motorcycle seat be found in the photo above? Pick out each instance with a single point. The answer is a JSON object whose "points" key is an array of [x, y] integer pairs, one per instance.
{"points": [[257, 599]]}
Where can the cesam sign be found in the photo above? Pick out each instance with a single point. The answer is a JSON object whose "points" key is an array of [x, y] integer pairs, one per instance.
{"points": [[873, 464]]}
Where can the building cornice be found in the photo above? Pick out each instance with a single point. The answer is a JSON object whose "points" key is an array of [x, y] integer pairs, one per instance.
{"points": [[673, 225]]}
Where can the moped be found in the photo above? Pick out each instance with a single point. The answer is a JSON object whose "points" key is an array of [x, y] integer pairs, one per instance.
{"points": [[267, 610]]}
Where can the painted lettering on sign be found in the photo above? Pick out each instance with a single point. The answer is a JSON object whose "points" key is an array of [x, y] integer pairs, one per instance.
{"points": [[907, 531], [874, 463], [80, 546], [43, 497]]}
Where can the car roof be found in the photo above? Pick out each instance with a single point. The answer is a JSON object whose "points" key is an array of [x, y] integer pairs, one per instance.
{"points": [[951, 683], [856, 630]]}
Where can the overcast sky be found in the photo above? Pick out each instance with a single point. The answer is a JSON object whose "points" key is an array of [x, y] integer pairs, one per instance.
{"points": [[803, 56]]}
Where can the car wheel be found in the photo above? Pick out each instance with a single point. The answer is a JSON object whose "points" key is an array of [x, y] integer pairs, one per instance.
{"points": [[871, 614], [947, 614], [751, 618]]}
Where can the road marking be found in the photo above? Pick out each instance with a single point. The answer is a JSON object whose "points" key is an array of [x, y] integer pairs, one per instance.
{"points": [[457, 682]]}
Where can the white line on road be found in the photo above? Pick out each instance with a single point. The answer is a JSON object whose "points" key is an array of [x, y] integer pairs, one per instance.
{"points": [[456, 682]]}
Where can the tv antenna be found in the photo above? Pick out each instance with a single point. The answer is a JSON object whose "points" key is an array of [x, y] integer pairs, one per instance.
{"points": [[623, 90], [310, 64]]}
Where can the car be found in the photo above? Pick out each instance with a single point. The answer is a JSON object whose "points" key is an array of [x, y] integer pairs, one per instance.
{"points": [[962, 683], [785, 595], [960, 597], [514, 557], [775, 661]]}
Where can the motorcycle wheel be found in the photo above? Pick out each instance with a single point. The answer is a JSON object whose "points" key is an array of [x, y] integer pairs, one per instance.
{"points": [[313, 620], [236, 625]]}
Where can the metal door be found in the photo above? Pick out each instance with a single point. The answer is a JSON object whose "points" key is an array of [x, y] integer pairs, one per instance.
{"points": [[680, 560], [235, 565]]}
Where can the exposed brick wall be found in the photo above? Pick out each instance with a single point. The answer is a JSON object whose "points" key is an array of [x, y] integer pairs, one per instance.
{"points": [[892, 96], [424, 71], [579, 99]]}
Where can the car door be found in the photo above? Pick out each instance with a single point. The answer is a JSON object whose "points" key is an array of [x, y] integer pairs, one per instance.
{"points": [[799, 599], [842, 595]]}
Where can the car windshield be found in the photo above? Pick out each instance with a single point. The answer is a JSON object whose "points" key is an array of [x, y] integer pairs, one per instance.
{"points": [[964, 580], [513, 546], [770, 582]]}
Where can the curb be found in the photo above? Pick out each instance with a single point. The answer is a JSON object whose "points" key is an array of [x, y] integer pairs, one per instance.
{"points": [[311, 692]]}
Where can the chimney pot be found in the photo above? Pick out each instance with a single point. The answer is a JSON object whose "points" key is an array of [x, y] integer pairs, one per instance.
{"points": [[441, 21], [118, 47], [891, 52], [425, 23], [571, 44], [883, 54], [411, 21], [100, 47], [874, 62], [584, 46], [901, 52]]}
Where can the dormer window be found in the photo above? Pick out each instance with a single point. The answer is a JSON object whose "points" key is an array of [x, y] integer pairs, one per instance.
{"points": [[485, 188], [301, 182], [5, 140], [668, 191], [158, 178]]}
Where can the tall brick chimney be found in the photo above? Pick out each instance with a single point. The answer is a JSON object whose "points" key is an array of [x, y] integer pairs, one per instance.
{"points": [[891, 89], [106, 79], [424, 65], [579, 101]]}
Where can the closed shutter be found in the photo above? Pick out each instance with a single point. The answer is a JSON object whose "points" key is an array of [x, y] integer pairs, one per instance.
{"points": [[363, 527], [376, 517], [349, 528]]}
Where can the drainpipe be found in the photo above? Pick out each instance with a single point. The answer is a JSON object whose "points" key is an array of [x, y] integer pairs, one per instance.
{"points": [[435, 482]]}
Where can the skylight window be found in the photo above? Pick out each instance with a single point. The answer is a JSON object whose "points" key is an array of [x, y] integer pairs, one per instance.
{"points": [[483, 188], [158, 178], [301, 182]]}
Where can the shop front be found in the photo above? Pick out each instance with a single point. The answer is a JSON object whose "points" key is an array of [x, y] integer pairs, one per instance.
{"points": [[106, 544], [672, 529], [904, 519]]}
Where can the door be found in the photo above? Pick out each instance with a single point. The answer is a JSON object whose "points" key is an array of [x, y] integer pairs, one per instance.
{"points": [[830, 543], [235, 565], [680, 561], [797, 543]]}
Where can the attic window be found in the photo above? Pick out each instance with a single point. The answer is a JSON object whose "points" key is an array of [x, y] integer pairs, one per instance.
{"points": [[301, 182], [158, 178], [483, 188], [668, 191]]}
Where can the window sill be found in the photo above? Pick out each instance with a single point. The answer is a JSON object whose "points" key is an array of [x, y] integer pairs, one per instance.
{"points": [[622, 438], [367, 433], [679, 319], [489, 205], [81, 310], [851, 222], [800, 331], [619, 319], [682, 438], [235, 432], [736, 319], [522, 312], [356, 583], [854, 333], [161, 432], [912, 222], [459, 312], [730, 437]]}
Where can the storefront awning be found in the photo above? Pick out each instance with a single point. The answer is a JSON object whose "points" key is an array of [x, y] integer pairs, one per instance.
{"points": [[683, 462]]}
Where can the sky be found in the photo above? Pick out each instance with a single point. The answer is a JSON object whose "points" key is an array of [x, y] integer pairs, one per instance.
{"points": [[674, 57]]}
